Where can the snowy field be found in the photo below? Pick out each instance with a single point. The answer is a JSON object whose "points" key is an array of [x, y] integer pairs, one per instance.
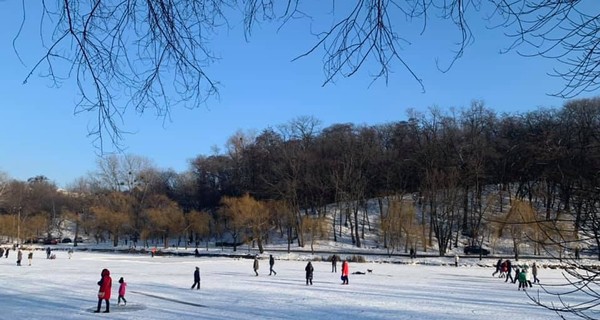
{"points": [[159, 288]]}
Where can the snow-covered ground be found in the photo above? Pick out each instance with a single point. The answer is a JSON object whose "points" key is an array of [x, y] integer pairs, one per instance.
{"points": [[159, 288]]}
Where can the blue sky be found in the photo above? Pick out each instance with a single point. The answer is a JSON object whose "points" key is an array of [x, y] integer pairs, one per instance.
{"points": [[260, 87]]}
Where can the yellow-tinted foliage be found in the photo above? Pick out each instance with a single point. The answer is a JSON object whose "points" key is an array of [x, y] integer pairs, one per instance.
{"points": [[401, 220], [113, 213], [199, 222], [245, 212], [34, 227], [315, 227], [166, 218]]}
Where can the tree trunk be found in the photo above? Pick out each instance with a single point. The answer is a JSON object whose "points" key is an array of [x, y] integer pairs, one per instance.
{"points": [[356, 226]]}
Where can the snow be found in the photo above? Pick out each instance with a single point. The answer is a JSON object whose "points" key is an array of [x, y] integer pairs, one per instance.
{"points": [[159, 288]]}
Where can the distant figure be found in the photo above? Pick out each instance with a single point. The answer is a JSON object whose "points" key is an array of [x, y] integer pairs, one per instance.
{"points": [[19, 257], [345, 272], [576, 253], [522, 280], [456, 258], [196, 253], [412, 253], [255, 265], [1, 252], [309, 273], [503, 269], [30, 257], [527, 276], [271, 264], [48, 252], [105, 284], [122, 289], [6, 254], [196, 279], [534, 272], [334, 263], [517, 273], [153, 252], [70, 252], [498, 267], [509, 271]]}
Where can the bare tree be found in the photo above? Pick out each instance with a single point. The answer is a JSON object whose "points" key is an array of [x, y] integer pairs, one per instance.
{"points": [[156, 53], [563, 30]]}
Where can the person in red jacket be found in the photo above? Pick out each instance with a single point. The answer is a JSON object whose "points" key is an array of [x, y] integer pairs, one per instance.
{"points": [[345, 272], [105, 284]]}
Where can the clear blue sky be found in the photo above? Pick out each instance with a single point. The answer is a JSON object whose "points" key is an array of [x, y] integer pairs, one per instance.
{"points": [[261, 87]]}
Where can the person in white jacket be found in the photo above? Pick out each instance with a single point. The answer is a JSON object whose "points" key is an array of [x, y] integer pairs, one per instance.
{"points": [[527, 275], [456, 259]]}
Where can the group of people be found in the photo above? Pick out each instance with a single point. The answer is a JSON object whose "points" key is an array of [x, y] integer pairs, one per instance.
{"points": [[49, 254], [4, 252], [522, 273], [104, 292], [309, 269]]}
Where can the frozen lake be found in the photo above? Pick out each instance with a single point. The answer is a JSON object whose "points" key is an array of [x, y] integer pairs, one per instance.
{"points": [[159, 288]]}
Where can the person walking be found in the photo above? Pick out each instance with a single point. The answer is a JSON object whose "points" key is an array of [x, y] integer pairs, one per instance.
{"points": [[522, 280], [122, 289], [6, 253], [334, 263], [255, 266], [345, 272], [48, 252], [509, 272], [527, 275], [30, 257], [19, 257], [70, 253], [196, 279], [271, 264], [498, 266], [456, 259], [309, 273], [104, 291], [534, 272]]}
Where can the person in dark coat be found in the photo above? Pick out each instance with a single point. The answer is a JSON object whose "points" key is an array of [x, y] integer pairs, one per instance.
{"points": [[19, 257], [498, 266], [255, 266], [105, 284], [6, 253], [48, 252], [271, 264], [334, 263], [309, 273], [509, 271], [196, 279]]}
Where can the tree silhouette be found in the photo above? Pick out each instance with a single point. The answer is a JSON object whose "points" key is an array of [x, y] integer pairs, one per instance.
{"points": [[157, 53]]}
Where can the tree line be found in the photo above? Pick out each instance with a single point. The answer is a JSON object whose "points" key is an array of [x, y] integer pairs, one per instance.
{"points": [[434, 178]]}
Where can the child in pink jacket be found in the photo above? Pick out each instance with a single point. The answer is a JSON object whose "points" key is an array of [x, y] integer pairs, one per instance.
{"points": [[122, 292]]}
